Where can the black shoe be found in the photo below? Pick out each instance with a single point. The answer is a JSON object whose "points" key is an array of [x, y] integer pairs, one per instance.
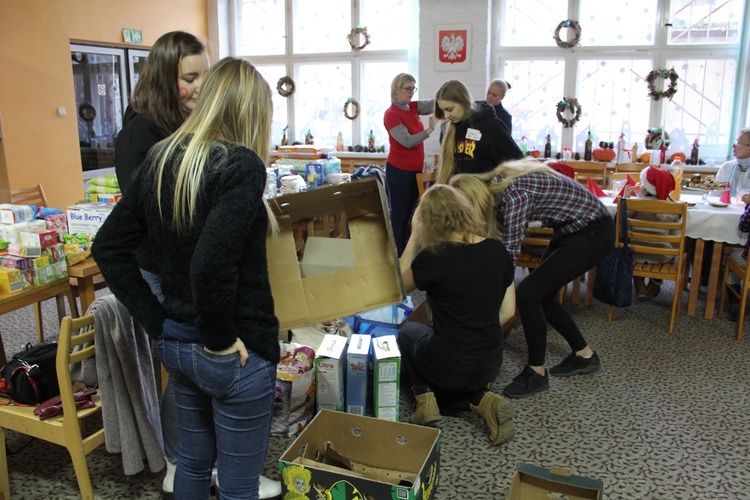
{"points": [[575, 365], [527, 383]]}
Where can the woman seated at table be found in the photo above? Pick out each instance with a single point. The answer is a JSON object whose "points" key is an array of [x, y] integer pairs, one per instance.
{"points": [[739, 255], [656, 183]]}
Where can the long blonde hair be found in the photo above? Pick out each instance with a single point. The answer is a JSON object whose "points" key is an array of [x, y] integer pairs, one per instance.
{"points": [[499, 178], [443, 214], [457, 92], [481, 198], [234, 105]]}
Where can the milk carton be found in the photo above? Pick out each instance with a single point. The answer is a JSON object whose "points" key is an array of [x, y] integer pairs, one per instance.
{"points": [[386, 375], [357, 361], [330, 362]]}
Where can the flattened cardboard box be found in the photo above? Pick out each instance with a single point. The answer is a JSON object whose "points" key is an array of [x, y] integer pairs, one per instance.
{"points": [[342, 456], [532, 482], [361, 274]]}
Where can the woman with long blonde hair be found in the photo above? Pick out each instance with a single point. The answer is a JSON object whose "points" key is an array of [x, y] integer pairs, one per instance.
{"points": [[199, 200], [476, 141], [583, 234], [468, 278]]}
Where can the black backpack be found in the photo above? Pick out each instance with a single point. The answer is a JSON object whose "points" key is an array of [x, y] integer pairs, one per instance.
{"points": [[31, 376]]}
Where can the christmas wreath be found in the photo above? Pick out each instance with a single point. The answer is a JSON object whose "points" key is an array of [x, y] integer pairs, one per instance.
{"points": [[568, 104], [655, 137], [285, 86], [354, 35], [568, 23], [671, 89], [353, 102]]}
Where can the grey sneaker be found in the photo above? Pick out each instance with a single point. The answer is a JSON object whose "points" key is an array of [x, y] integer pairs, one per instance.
{"points": [[576, 365]]}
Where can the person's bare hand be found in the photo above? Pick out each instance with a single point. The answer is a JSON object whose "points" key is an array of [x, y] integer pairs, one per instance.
{"points": [[238, 346]]}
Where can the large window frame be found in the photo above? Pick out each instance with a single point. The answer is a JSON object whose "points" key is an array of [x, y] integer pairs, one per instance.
{"points": [[357, 59], [660, 53]]}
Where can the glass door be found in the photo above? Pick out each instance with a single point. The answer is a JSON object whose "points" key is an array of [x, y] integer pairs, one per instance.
{"points": [[136, 61], [101, 94]]}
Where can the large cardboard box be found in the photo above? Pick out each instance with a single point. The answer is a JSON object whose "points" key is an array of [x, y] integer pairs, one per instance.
{"points": [[357, 374], [87, 218], [531, 482], [386, 377], [339, 289], [330, 363], [340, 455]]}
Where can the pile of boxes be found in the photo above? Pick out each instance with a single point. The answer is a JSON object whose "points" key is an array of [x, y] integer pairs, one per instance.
{"points": [[345, 453], [315, 165], [33, 253]]}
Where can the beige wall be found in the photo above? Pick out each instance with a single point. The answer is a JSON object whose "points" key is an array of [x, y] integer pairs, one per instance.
{"points": [[36, 78]]}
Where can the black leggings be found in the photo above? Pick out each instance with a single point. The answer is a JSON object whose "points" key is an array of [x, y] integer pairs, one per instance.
{"points": [[564, 260], [457, 380]]}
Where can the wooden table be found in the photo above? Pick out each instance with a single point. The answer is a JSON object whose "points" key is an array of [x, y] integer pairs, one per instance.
{"points": [[33, 296], [86, 273]]}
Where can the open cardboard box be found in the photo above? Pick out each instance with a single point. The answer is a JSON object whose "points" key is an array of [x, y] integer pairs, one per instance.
{"points": [[340, 455], [532, 482], [335, 255]]}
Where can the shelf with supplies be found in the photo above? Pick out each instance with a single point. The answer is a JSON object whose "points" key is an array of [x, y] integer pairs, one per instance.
{"points": [[351, 161]]}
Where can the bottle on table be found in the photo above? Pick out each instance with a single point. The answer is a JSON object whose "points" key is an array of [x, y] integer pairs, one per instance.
{"points": [[548, 147], [587, 147]]}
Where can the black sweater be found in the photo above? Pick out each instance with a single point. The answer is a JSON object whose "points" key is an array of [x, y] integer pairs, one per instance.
{"points": [[137, 136], [215, 275], [488, 143]]}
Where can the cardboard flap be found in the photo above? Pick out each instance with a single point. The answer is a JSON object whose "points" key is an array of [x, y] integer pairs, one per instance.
{"points": [[354, 270], [532, 482]]}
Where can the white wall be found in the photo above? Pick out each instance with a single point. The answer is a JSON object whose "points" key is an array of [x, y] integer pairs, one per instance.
{"points": [[477, 15]]}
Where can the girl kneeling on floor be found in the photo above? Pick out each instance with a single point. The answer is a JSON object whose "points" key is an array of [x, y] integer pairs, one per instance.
{"points": [[468, 278]]}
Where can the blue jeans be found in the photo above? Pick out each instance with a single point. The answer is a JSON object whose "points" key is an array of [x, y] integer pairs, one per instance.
{"points": [[224, 413], [168, 409]]}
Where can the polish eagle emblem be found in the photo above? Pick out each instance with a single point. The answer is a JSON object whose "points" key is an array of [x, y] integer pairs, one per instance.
{"points": [[453, 46]]}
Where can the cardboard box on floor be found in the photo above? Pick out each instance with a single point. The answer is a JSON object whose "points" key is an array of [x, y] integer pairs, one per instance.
{"points": [[345, 273], [340, 455], [531, 482]]}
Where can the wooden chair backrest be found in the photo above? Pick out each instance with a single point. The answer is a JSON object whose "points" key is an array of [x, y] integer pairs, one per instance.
{"points": [[630, 167], [425, 180], [595, 170], [29, 196], [654, 237]]}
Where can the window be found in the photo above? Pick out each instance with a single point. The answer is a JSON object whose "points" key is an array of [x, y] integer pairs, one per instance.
{"points": [[308, 42], [606, 72]]}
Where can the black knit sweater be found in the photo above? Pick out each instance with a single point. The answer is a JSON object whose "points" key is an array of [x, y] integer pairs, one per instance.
{"points": [[215, 275]]}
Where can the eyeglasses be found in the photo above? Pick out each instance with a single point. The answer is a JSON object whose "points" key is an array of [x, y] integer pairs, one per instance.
{"points": [[410, 89], [738, 143]]}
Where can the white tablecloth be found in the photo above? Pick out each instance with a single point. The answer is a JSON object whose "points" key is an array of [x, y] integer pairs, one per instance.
{"points": [[706, 222]]}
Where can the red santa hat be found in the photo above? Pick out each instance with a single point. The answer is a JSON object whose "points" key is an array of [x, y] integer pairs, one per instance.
{"points": [[657, 182]]}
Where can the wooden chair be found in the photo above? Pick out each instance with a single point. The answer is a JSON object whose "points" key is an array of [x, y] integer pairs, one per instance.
{"points": [[648, 237], [595, 170], [66, 429], [630, 167], [425, 180], [29, 196], [744, 273]]}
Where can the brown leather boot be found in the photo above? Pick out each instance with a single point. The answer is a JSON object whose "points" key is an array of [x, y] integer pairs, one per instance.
{"points": [[497, 413], [427, 411]]}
